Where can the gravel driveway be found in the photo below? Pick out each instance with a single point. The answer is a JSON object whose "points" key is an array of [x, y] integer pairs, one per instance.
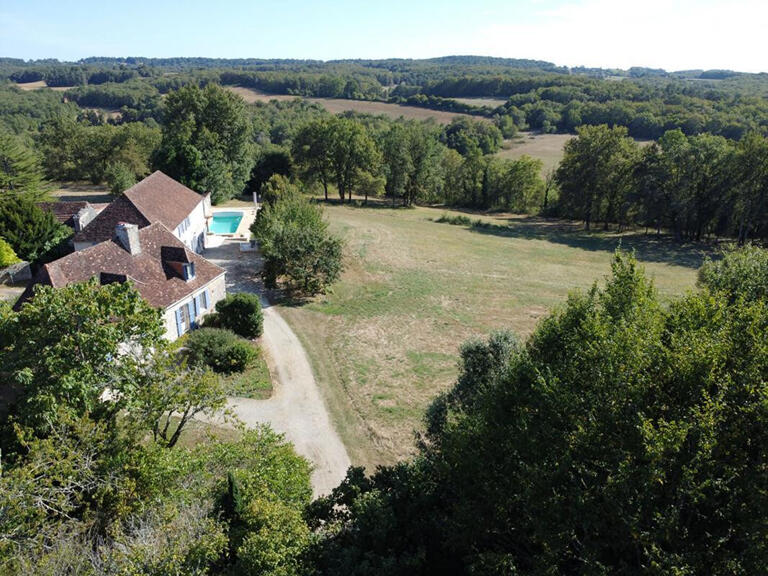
{"points": [[296, 408]]}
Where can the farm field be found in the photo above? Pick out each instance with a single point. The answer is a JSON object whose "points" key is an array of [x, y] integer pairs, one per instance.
{"points": [[40, 84], [490, 102], [385, 342], [338, 105], [546, 147]]}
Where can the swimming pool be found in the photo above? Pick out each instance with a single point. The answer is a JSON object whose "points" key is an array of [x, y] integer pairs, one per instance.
{"points": [[225, 222]]}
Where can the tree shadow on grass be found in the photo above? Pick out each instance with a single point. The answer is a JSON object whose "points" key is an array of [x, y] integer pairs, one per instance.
{"points": [[648, 247], [359, 202]]}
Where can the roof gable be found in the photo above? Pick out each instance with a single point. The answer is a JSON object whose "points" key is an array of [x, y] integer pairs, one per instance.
{"points": [[160, 198], [102, 227], [157, 198]]}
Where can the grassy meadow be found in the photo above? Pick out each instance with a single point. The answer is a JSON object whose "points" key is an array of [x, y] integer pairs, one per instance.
{"points": [[386, 340]]}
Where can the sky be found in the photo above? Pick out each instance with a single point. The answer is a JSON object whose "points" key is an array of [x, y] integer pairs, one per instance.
{"points": [[669, 34]]}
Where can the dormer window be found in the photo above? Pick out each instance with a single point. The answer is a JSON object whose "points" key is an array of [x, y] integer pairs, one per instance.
{"points": [[188, 270]]}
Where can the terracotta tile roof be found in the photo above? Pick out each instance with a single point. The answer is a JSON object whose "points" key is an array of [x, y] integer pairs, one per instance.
{"points": [[64, 211], [157, 198], [102, 227], [155, 279]]}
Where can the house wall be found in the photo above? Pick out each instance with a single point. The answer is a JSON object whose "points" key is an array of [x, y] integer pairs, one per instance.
{"points": [[217, 290], [194, 235]]}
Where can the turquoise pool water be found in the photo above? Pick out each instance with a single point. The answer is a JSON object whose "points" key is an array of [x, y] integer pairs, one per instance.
{"points": [[225, 222]]}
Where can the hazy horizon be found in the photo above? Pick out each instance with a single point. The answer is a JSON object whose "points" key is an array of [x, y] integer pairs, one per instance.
{"points": [[670, 34]]}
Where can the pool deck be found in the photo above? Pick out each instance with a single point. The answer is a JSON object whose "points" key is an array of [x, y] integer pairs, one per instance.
{"points": [[243, 231]]}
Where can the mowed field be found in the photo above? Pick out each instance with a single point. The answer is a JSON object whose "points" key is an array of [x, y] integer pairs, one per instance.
{"points": [[40, 84], [546, 147], [385, 342], [338, 105], [490, 102]]}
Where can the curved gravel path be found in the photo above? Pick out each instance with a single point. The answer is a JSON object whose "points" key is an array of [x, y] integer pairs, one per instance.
{"points": [[296, 407]]}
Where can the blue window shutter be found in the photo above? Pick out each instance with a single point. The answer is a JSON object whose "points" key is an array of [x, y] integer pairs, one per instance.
{"points": [[178, 322], [206, 299], [196, 301], [190, 313]]}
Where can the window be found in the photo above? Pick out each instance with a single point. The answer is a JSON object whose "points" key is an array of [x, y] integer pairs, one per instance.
{"points": [[183, 319], [188, 313], [189, 271], [183, 227]]}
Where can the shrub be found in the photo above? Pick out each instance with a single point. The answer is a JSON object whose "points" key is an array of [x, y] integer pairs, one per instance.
{"points": [[221, 350], [458, 220], [242, 314], [31, 231], [7, 255]]}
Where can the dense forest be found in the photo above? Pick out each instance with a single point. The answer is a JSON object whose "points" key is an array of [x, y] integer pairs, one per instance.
{"points": [[538, 95], [691, 181]]}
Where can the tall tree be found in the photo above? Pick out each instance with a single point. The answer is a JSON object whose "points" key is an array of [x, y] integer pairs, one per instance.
{"points": [[593, 176], [751, 205], [351, 153], [206, 140], [312, 152], [20, 170]]}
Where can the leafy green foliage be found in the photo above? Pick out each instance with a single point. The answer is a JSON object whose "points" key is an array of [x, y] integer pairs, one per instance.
{"points": [[66, 346], [20, 171], [297, 246], [206, 141], [76, 150], [277, 187], [242, 314], [7, 255], [221, 350], [270, 162], [622, 437], [741, 273], [594, 176], [338, 150], [95, 478], [32, 232], [467, 135], [119, 177]]}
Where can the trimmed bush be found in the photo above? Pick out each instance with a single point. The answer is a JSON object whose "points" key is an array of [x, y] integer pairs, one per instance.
{"points": [[221, 350], [242, 314]]}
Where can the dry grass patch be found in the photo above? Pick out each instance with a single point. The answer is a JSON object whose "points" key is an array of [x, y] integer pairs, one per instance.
{"points": [[385, 342], [339, 105], [546, 147], [26, 86], [81, 191], [41, 84], [490, 102], [252, 95]]}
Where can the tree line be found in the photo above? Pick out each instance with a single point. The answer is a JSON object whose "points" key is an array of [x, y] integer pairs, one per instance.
{"points": [[693, 186], [539, 95]]}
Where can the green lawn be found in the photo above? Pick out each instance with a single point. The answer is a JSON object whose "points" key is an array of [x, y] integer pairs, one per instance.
{"points": [[254, 382], [386, 340]]}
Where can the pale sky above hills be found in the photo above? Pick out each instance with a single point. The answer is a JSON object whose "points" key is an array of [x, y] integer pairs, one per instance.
{"points": [[670, 34]]}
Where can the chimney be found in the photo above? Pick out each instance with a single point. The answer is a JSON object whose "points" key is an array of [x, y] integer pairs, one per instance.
{"points": [[128, 235], [84, 217]]}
